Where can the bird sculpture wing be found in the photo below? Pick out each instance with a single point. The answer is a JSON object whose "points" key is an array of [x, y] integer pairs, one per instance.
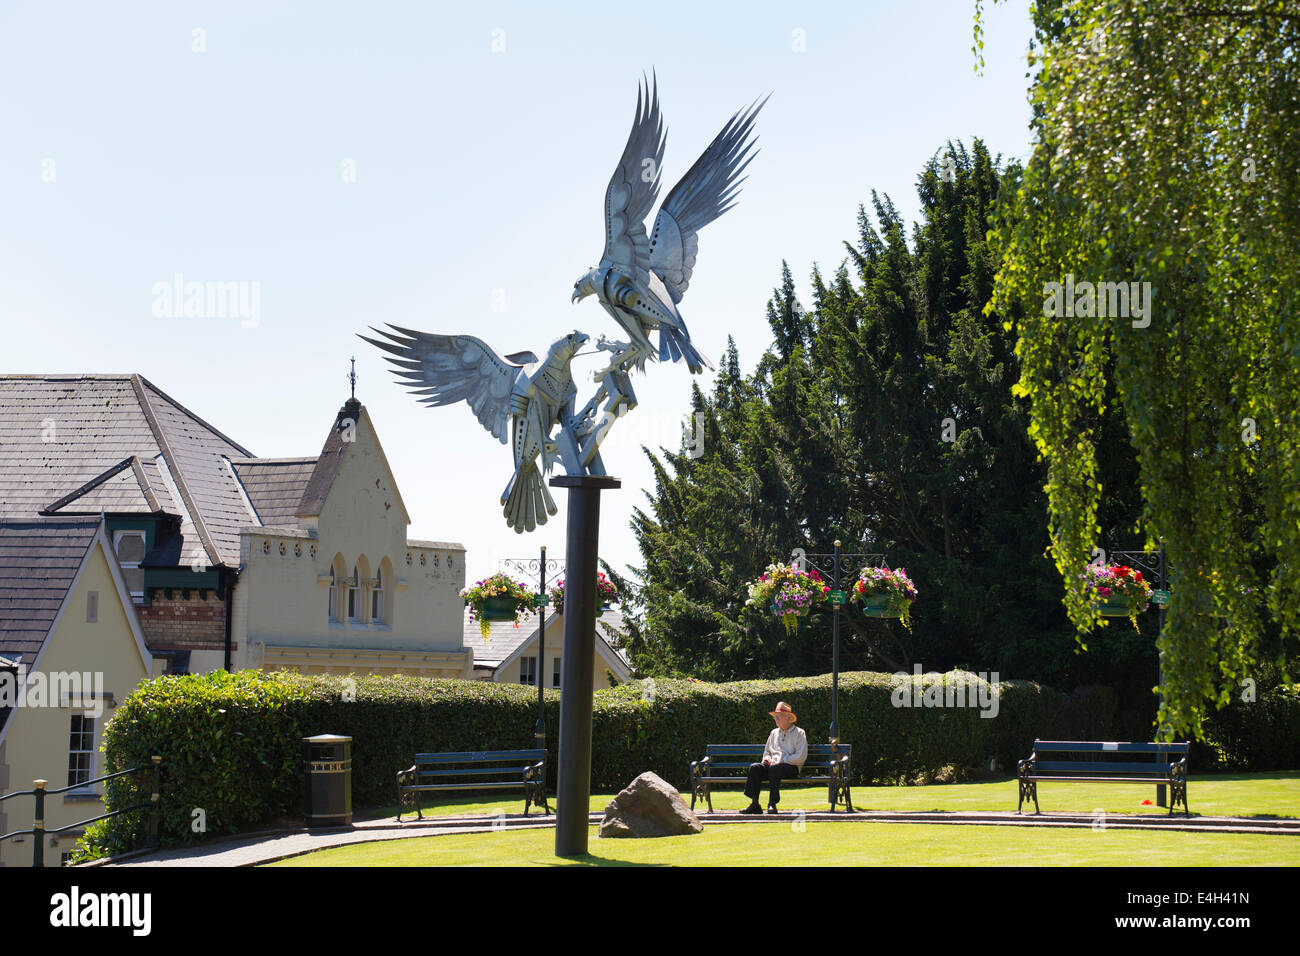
{"points": [[634, 187], [450, 368], [707, 190]]}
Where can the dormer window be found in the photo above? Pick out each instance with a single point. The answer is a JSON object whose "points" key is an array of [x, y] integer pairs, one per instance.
{"points": [[129, 546]]}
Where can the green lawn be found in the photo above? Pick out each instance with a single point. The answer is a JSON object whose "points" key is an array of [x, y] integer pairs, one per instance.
{"points": [[1234, 795], [833, 844]]}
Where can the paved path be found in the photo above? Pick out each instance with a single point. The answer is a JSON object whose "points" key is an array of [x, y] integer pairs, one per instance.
{"points": [[257, 848]]}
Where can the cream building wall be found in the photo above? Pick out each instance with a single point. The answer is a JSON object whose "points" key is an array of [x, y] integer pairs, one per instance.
{"points": [[34, 743], [281, 613]]}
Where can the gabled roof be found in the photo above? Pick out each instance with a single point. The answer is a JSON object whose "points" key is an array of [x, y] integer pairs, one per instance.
{"points": [[38, 562], [41, 562], [132, 485], [69, 431], [506, 642], [323, 474], [327, 463]]}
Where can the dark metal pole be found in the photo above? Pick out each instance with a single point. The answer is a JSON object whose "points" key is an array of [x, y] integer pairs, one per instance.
{"points": [[835, 663], [573, 788], [539, 731], [1160, 631], [38, 825]]}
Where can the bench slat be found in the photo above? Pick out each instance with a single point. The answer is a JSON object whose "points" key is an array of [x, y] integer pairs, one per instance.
{"points": [[478, 757], [1165, 779], [1098, 767], [477, 785], [799, 779], [1097, 746], [738, 752], [467, 772]]}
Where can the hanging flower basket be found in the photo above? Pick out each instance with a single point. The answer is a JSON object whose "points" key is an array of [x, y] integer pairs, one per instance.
{"points": [[878, 605], [1113, 609], [885, 593], [499, 609], [606, 595], [1118, 591], [498, 598], [789, 593]]}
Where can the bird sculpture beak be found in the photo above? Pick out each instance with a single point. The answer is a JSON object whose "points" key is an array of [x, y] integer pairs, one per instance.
{"points": [[576, 296]]}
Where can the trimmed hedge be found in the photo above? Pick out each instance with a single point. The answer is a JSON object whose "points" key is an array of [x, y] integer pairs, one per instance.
{"points": [[1263, 734], [231, 743]]}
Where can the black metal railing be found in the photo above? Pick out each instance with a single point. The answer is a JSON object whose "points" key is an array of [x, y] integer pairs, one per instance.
{"points": [[38, 830]]}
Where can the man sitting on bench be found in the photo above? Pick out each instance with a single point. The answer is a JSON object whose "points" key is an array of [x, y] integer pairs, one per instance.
{"points": [[784, 754]]}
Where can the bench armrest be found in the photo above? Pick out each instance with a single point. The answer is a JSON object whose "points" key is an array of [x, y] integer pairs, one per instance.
{"points": [[1026, 765], [537, 769], [403, 775], [700, 767]]}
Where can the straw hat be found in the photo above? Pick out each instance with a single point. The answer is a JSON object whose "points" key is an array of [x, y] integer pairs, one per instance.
{"points": [[784, 708]]}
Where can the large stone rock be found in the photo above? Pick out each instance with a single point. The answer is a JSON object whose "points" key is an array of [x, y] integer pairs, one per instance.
{"points": [[648, 807]]}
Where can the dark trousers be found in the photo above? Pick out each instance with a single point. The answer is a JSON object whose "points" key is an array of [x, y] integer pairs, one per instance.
{"points": [[773, 774]]}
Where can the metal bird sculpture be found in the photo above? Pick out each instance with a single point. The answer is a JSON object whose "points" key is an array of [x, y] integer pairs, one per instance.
{"points": [[640, 279], [450, 368]]}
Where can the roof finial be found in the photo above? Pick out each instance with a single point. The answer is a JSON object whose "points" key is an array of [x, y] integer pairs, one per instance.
{"points": [[352, 376]]}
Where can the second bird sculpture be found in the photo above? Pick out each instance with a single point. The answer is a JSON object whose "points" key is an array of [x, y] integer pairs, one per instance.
{"points": [[450, 368], [641, 278]]}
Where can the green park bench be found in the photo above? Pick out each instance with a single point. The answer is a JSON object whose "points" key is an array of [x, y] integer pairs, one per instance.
{"points": [[477, 770], [1105, 762], [722, 761]]}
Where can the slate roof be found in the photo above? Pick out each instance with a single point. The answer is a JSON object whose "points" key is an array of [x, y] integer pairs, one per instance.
{"points": [[38, 561], [131, 485], [274, 486], [65, 431], [88, 444], [505, 638]]}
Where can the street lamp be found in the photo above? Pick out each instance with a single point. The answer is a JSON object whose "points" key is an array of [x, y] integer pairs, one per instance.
{"points": [[799, 558], [538, 566], [1153, 567]]}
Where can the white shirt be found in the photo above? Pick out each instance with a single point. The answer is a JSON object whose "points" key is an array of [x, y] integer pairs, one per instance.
{"points": [[787, 746]]}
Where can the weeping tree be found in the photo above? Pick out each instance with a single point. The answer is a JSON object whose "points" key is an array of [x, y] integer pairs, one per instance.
{"points": [[1152, 259]]}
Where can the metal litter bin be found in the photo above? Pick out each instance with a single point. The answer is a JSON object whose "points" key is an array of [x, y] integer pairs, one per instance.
{"points": [[327, 761]]}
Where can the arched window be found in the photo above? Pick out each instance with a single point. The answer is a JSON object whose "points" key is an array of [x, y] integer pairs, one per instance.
{"points": [[334, 595], [354, 596], [377, 599]]}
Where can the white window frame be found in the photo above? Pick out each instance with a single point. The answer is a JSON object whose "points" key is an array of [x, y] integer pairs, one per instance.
{"points": [[334, 595], [90, 754], [377, 616], [355, 603], [529, 671]]}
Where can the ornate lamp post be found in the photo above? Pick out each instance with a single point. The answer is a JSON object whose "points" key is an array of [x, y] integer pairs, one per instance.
{"points": [[832, 569], [1154, 569], [539, 566]]}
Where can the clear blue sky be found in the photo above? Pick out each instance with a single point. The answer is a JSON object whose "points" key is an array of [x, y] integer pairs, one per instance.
{"points": [[129, 157]]}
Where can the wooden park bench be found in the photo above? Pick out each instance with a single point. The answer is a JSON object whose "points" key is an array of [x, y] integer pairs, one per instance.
{"points": [[480, 770], [730, 758], [1073, 760]]}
